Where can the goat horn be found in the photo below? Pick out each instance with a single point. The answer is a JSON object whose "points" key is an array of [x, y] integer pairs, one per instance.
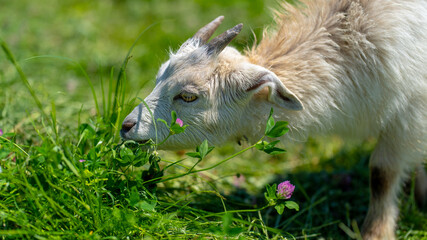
{"points": [[207, 31], [216, 45]]}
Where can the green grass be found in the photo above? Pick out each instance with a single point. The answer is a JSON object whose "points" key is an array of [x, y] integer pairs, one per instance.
{"points": [[66, 83]]}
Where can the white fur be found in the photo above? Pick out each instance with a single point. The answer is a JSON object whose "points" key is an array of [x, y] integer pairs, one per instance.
{"points": [[358, 69]]}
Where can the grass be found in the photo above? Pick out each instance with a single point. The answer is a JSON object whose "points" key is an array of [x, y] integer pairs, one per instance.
{"points": [[67, 81]]}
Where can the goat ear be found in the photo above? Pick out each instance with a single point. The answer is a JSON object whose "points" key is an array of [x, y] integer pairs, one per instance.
{"points": [[277, 93]]}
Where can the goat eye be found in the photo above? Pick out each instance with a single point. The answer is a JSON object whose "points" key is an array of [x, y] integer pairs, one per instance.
{"points": [[188, 97]]}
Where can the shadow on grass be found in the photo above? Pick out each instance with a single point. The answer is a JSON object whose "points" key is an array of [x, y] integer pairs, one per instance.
{"points": [[326, 199]]}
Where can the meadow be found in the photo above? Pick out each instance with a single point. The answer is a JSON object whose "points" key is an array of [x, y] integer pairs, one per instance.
{"points": [[70, 71]]}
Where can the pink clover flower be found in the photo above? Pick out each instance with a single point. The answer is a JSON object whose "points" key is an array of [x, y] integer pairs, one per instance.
{"points": [[285, 190], [179, 122]]}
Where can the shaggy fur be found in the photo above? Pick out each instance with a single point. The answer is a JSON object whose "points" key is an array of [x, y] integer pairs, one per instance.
{"points": [[348, 67], [360, 69]]}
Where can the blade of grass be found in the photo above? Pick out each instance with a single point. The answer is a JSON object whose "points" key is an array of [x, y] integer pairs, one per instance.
{"points": [[110, 90], [102, 90], [123, 89], [14, 144], [53, 116], [152, 117], [21, 73]]}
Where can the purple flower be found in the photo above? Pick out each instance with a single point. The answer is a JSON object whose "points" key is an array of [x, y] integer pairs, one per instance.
{"points": [[82, 160], [285, 190], [179, 122], [1, 131]]}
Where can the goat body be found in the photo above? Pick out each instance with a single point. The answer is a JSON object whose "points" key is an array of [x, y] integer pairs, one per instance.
{"points": [[348, 67]]}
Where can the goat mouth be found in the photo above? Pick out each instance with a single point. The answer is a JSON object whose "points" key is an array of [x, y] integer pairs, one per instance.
{"points": [[143, 141]]}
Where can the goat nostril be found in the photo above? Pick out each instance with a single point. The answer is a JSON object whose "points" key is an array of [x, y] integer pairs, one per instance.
{"points": [[127, 125]]}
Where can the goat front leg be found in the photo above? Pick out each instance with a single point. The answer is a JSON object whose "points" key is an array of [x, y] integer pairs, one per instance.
{"points": [[380, 222], [388, 167], [421, 187]]}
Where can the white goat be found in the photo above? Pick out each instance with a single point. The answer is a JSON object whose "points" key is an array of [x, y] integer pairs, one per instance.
{"points": [[357, 68]]}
